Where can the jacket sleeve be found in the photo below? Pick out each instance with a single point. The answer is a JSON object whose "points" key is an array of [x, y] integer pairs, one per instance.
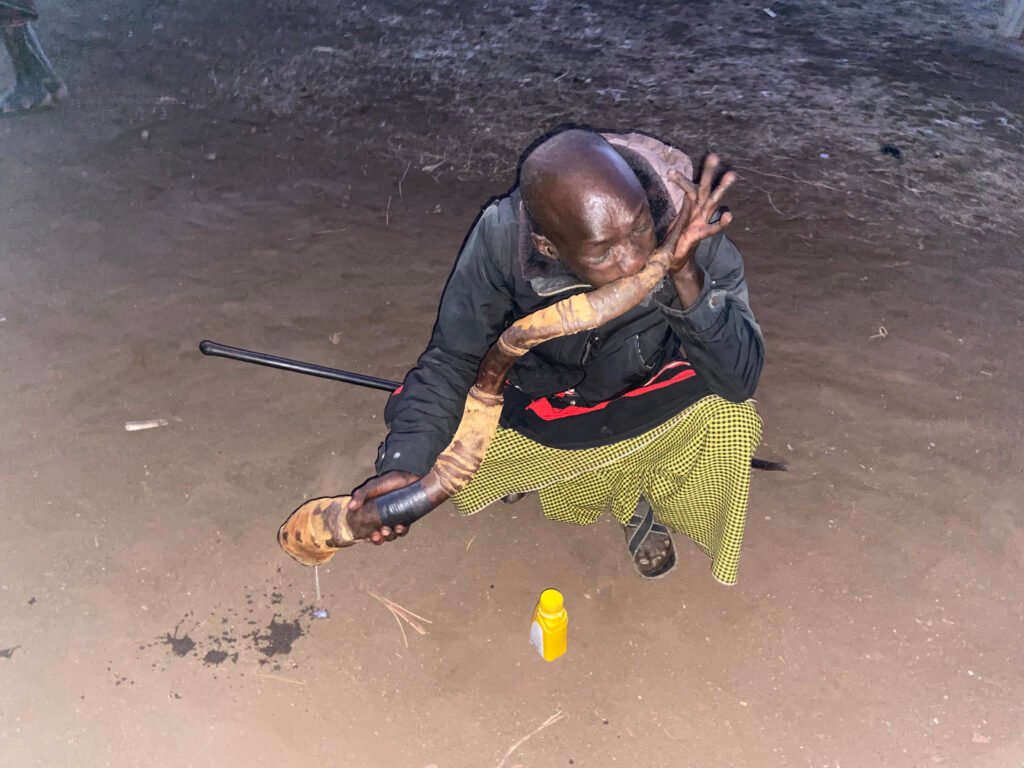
{"points": [[476, 306], [719, 334]]}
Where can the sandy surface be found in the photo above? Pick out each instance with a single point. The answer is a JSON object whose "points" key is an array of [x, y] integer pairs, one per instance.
{"points": [[148, 618]]}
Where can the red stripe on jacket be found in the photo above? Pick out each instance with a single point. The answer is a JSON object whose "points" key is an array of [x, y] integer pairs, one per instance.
{"points": [[544, 409]]}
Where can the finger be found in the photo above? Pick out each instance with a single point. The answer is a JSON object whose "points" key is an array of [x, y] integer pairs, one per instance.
{"points": [[365, 491], [727, 181], [375, 538], [386, 534], [682, 218], [401, 530], [681, 181], [689, 195], [391, 482], [692, 204], [713, 229], [707, 175], [690, 192], [376, 486], [675, 229]]}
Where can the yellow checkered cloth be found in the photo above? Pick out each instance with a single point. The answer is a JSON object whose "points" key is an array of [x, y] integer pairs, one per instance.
{"points": [[694, 470]]}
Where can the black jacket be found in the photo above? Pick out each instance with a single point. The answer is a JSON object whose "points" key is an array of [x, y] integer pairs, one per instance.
{"points": [[499, 278]]}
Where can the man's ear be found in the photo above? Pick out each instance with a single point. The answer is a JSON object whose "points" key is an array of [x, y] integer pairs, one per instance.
{"points": [[544, 246]]}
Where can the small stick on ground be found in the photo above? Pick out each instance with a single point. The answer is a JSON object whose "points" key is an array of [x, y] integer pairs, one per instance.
{"points": [[282, 679], [400, 614], [794, 178], [396, 606], [387, 213], [408, 165], [315, 234], [769, 194], [405, 638], [316, 576], [135, 426], [549, 722]]}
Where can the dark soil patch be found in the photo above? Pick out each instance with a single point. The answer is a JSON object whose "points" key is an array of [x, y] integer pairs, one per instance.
{"points": [[278, 638], [180, 646]]}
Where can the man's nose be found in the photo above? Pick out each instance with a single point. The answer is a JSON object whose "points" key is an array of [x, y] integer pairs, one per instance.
{"points": [[632, 259]]}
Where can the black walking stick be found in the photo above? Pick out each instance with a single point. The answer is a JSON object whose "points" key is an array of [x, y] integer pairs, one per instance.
{"points": [[214, 349], [297, 366]]}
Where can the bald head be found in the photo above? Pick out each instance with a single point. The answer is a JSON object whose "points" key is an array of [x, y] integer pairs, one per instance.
{"points": [[559, 177], [587, 206]]}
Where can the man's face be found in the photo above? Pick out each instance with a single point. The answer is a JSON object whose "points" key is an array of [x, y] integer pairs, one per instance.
{"points": [[602, 230], [616, 237]]}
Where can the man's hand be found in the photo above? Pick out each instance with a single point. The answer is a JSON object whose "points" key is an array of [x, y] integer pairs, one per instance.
{"points": [[378, 486], [692, 224]]}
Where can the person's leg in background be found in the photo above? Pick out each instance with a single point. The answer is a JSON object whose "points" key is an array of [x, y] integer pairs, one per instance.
{"points": [[36, 85]]}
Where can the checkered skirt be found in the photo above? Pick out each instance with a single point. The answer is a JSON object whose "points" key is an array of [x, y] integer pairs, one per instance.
{"points": [[694, 469]]}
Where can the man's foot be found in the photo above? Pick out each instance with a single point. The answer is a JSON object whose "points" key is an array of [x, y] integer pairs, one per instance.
{"points": [[37, 86], [653, 554], [649, 543], [26, 98], [58, 90], [512, 498]]}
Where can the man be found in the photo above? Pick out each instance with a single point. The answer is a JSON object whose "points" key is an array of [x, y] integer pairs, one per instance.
{"points": [[36, 84], [648, 415]]}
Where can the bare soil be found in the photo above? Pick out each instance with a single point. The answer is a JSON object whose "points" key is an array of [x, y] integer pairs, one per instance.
{"points": [[297, 177]]}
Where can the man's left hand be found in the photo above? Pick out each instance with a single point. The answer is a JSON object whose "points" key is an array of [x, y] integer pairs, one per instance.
{"points": [[693, 223]]}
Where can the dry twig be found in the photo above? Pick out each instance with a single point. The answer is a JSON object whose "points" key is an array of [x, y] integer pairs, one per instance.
{"points": [[281, 679], [400, 614], [793, 178], [408, 165], [549, 722], [405, 637]]}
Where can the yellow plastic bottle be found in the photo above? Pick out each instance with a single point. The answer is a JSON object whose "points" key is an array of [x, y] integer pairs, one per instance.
{"points": [[549, 633]]}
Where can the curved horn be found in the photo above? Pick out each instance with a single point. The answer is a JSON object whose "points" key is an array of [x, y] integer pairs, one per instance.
{"points": [[320, 527]]}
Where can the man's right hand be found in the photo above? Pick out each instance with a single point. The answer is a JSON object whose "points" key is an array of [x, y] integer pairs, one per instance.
{"points": [[378, 486]]}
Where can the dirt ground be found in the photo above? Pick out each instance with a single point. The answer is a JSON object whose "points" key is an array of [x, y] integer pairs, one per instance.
{"points": [[296, 177]]}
